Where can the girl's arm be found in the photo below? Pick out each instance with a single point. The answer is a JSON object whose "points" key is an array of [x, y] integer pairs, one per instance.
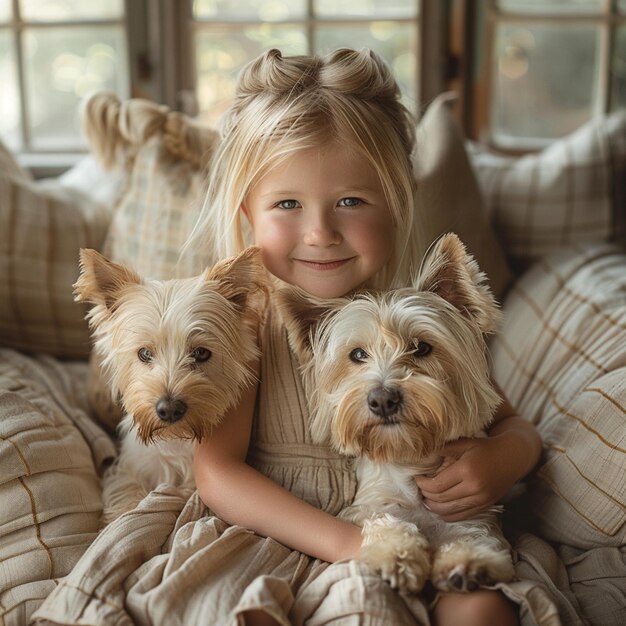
{"points": [[240, 495], [478, 472]]}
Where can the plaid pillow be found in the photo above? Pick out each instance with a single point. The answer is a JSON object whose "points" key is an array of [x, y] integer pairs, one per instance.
{"points": [[42, 228], [157, 212], [573, 191], [167, 155]]}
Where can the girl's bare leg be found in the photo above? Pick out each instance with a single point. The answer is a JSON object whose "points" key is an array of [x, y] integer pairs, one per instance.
{"points": [[478, 608]]}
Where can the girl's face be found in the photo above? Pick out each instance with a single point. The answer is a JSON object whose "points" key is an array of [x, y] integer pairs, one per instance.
{"points": [[322, 221]]}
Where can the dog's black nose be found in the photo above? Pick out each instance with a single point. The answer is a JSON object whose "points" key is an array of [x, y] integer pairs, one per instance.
{"points": [[384, 401], [170, 410]]}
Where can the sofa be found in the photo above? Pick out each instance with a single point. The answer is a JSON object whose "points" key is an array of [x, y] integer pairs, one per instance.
{"points": [[549, 230]]}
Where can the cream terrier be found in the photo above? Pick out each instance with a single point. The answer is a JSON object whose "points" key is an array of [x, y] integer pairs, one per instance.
{"points": [[391, 378], [178, 353]]}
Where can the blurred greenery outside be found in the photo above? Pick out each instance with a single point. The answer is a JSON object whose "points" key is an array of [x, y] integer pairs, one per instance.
{"points": [[546, 77]]}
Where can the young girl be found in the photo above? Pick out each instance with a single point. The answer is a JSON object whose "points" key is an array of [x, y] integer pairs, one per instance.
{"points": [[315, 168]]}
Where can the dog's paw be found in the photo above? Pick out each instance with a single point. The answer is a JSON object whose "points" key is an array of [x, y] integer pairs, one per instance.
{"points": [[465, 566], [397, 551]]}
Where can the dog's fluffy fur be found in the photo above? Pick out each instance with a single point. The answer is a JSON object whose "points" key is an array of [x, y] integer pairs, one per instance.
{"points": [[178, 353], [392, 377]]}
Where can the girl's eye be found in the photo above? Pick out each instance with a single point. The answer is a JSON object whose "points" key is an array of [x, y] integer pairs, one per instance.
{"points": [[288, 204], [200, 355], [358, 355], [350, 202], [422, 349], [144, 355]]}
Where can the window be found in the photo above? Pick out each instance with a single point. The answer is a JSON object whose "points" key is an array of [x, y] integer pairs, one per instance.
{"points": [[545, 67], [52, 53], [226, 35], [528, 70]]}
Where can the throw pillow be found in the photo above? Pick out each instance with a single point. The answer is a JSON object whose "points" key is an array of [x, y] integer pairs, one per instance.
{"points": [[42, 227], [448, 197], [561, 362], [574, 191]]}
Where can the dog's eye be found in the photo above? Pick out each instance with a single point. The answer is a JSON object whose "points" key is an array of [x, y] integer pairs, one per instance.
{"points": [[200, 355], [358, 355], [422, 349], [144, 355]]}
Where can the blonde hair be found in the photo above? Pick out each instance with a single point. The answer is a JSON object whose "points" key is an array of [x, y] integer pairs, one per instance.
{"points": [[285, 104]]}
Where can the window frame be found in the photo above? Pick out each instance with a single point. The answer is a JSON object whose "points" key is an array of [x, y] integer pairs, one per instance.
{"points": [[478, 87], [48, 161]]}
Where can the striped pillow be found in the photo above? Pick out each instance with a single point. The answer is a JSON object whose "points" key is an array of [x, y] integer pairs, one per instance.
{"points": [[42, 228], [573, 191], [560, 360]]}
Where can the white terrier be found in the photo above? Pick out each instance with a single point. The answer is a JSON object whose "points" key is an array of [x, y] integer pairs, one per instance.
{"points": [[391, 378], [178, 353]]}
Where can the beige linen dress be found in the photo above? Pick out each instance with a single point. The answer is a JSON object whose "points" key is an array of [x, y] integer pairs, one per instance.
{"points": [[170, 562]]}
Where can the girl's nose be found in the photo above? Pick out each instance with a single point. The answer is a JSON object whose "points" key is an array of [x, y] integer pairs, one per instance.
{"points": [[321, 231]]}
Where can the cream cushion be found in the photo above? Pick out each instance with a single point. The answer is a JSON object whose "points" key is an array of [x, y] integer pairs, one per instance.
{"points": [[448, 197], [574, 191]]}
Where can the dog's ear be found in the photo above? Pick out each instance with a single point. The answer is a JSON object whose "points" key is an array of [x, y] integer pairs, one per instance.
{"points": [[101, 281], [301, 313], [240, 276], [452, 273]]}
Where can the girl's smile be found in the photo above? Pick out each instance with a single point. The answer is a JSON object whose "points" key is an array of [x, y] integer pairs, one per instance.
{"points": [[322, 220], [324, 266]]}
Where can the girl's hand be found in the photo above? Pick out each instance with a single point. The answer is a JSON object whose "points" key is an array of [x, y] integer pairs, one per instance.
{"points": [[478, 472]]}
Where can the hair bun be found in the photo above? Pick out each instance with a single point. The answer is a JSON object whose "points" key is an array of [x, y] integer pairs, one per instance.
{"points": [[360, 73], [271, 73]]}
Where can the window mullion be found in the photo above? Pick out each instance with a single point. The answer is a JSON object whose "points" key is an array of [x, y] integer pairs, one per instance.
{"points": [[310, 28], [434, 54], [608, 48], [21, 75]]}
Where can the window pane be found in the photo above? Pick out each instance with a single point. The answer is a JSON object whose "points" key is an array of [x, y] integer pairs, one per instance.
{"points": [[221, 53], [618, 71], [249, 9], [552, 6], [63, 65], [372, 8], [395, 42], [70, 10], [546, 79], [5, 10], [9, 94]]}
